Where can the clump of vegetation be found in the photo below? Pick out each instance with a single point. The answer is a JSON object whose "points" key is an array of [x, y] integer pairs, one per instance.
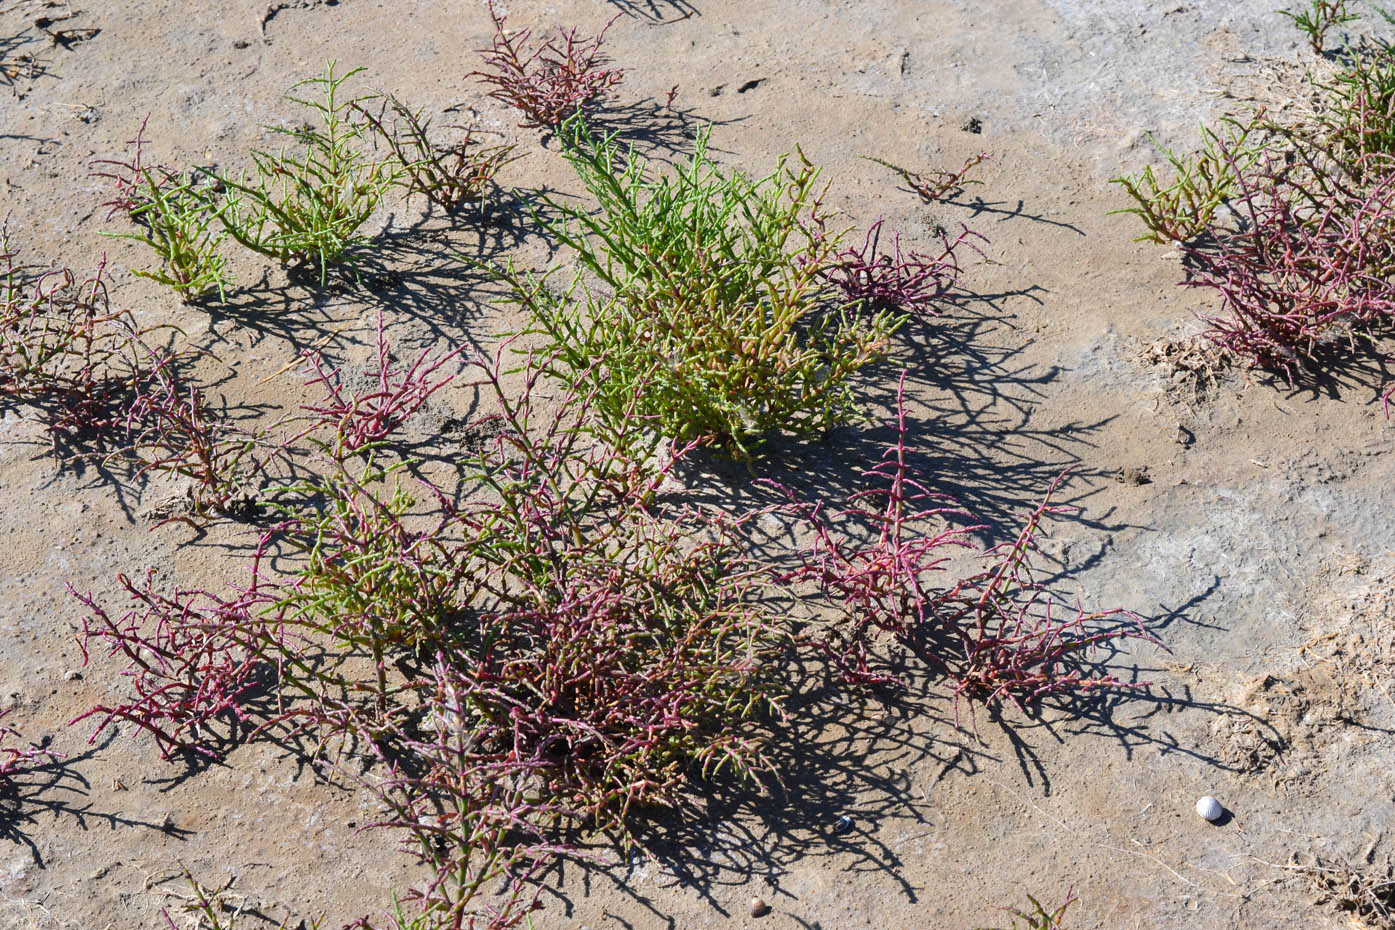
{"points": [[709, 316], [551, 80], [908, 282], [308, 204], [66, 352], [1201, 183], [187, 669], [1039, 918], [585, 648], [1016, 641], [1300, 277], [447, 175], [937, 184], [304, 203], [996, 633], [1319, 18], [175, 217], [1301, 257]]}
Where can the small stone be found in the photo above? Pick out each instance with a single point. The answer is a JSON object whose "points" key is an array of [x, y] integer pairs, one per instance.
{"points": [[72, 674], [1209, 808], [759, 908]]}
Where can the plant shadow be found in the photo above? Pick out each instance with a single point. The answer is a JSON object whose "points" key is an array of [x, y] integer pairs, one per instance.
{"points": [[657, 11], [855, 771], [969, 404], [58, 789]]}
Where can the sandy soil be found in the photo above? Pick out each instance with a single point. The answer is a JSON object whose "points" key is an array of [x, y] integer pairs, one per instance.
{"points": [[1244, 519]]}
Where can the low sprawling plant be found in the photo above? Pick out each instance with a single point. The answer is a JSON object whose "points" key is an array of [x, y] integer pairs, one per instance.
{"points": [[175, 216], [709, 290], [1185, 207], [359, 419], [907, 282], [996, 633], [1319, 18], [1016, 640], [937, 184], [886, 586], [635, 629], [187, 665], [308, 203], [585, 647], [548, 81], [66, 351], [467, 813], [446, 175], [1301, 259], [1310, 269], [173, 429]]}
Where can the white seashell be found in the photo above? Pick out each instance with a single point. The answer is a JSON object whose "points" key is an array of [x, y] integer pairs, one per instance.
{"points": [[1209, 808]]}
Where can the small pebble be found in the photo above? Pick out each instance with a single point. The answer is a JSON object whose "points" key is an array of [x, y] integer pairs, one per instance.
{"points": [[759, 908], [72, 675], [1209, 808]]}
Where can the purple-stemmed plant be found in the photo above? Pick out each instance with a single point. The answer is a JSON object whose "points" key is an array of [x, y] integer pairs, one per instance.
{"points": [[15, 759], [465, 811], [936, 184], [359, 419], [586, 644], [64, 350], [885, 586], [910, 282], [1016, 641], [1309, 268], [174, 430], [551, 80], [995, 633], [187, 666]]}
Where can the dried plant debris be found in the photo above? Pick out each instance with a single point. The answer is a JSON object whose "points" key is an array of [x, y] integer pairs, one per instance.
{"points": [[1365, 893], [1193, 367]]}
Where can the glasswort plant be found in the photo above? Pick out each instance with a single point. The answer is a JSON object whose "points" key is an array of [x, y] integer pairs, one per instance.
{"points": [[715, 299], [176, 217], [548, 82], [309, 205]]}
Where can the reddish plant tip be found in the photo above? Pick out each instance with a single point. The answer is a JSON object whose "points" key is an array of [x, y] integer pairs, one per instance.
{"points": [[1307, 271], [16, 759], [369, 416], [550, 80], [1008, 641], [904, 281]]}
